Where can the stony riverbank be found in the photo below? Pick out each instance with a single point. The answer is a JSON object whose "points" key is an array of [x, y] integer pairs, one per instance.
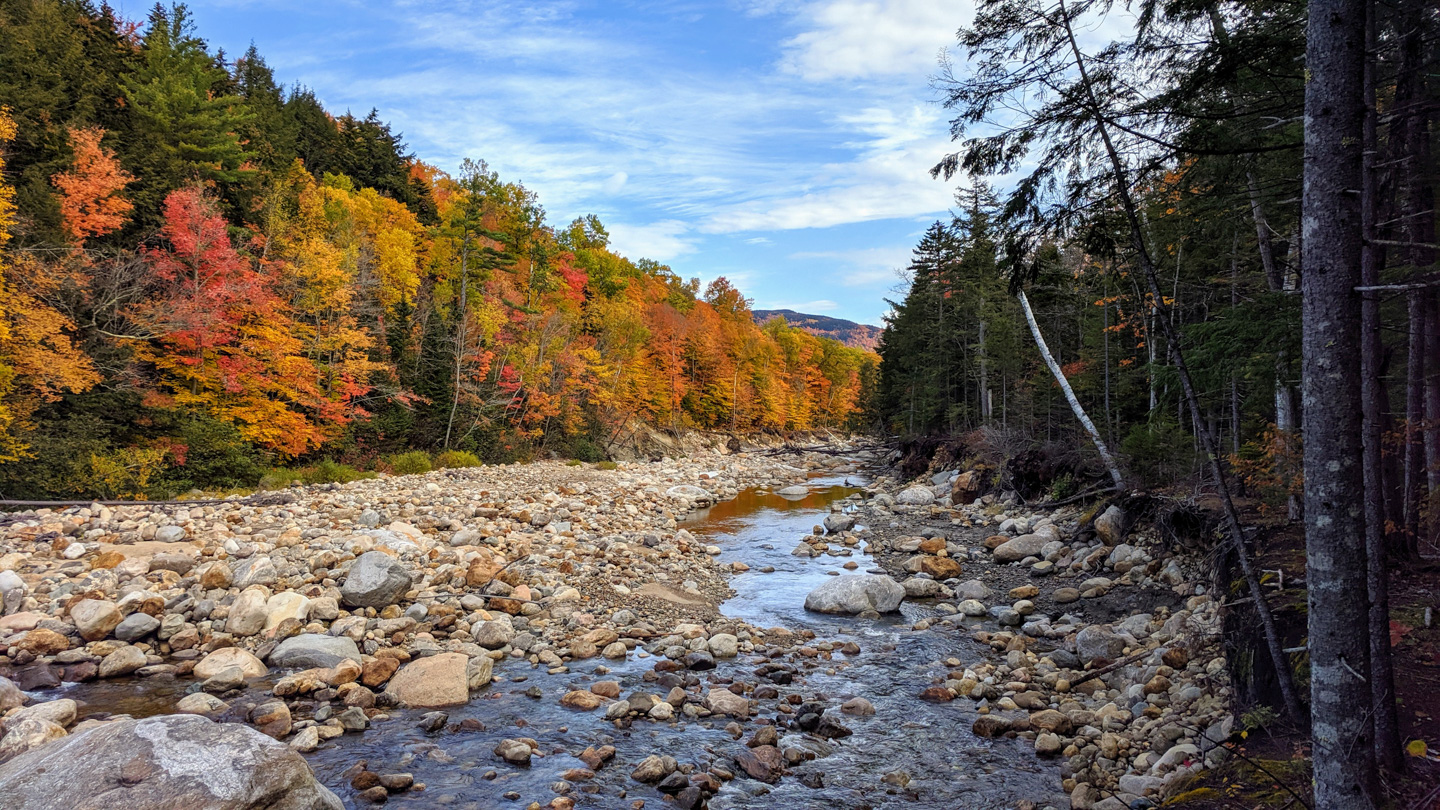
{"points": [[346, 608], [1048, 599]]}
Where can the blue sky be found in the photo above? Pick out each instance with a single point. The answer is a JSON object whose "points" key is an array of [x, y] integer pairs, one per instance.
{"points": [[785, 145]]}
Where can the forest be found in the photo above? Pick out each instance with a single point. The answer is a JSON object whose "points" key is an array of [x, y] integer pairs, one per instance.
{"points": [[207, 275], [1199, 257]]}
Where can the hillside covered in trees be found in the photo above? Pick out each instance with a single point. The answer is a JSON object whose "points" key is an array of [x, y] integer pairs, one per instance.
{"points": [[850, 333], [207, 273]]}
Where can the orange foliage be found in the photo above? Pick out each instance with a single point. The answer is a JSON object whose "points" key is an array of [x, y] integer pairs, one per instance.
{"points": [[90, 200]]}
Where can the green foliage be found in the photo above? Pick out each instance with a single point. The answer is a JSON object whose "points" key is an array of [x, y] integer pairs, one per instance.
{"points": [[185, 122], [414, 462], [1159, 453], [1062, 487], [127, 473], [324, 472], [606, 465], [454, 459]]}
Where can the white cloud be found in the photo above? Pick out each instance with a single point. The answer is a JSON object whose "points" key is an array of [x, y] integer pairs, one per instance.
{"points": [[758, 240], [867, 39], [807, 307], [865, 266], [661, 241], [888, 178]]}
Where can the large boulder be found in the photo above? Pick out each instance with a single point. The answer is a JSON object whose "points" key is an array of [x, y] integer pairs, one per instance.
{"points": [[916, 496], [247, 615], [856, 593], [432, 683], [175, 761], [314, 651], [10, 695], [1110, 526], [1026, 545], [226, 657], [1098, 642], [967, 486], [95, 618], [837, 522], [375, 580], [690, 493]]}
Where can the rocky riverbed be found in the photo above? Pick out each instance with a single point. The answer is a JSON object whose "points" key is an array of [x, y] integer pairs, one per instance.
{"points": [[552, 635]]}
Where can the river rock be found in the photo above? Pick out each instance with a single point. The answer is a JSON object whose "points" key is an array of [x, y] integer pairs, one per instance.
{"points": [[172, 761], [916, 496], [1096, 642], [227, 657], [136, 626], [1110, 525], [25, 734], [837, 522], [257, 570], [793, 492], [724, 645], [375, 580], [1026, 545], [170, 534], [95, 618], [514, 752], [247, 615], [494, 634], [314, 651], [921, 588], [432, 683], [763, 762], [201, 703], [285, 605], [121, 662], [690, 493], [856, 593], [10, 695], [723, 701]]}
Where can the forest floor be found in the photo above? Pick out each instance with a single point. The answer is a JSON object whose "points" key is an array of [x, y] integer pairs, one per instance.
{"points": [[1274, 770]]}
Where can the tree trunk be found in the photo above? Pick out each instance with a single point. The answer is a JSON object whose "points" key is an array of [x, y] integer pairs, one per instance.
{"points": [[1414, 415], [459, 337], [1432, 415], [1070, 393], [1343, 756], [1384, 719]]}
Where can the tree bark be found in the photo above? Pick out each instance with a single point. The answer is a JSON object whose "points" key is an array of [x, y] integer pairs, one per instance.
{"points": [[1384, 718], [1414, 485], [1070, 393], [1343, 756]]}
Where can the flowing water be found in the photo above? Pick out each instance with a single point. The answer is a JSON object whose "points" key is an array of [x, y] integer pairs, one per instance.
{"points": [[933, 759]]}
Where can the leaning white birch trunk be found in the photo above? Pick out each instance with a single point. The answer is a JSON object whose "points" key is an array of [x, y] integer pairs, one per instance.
{"points": [[1070, 393]]}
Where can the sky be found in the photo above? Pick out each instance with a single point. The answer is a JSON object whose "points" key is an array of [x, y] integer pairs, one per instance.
{"points": [[784, 145]]}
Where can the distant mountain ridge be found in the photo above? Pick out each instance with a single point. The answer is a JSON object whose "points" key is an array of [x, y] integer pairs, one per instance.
{"points": [[850, 333]]}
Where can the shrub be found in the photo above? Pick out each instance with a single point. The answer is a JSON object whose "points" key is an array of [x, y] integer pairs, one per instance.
{"points": [[454, 459], [325, 472], [414, 462], [606, 465]]}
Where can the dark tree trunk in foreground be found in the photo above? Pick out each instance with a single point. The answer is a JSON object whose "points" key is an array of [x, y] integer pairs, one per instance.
{"points": [[1342, 751]]}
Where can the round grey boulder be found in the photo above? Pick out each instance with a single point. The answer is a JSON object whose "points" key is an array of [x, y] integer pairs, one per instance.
{"points": [[375, 580], [856, 593], [172, 761]]}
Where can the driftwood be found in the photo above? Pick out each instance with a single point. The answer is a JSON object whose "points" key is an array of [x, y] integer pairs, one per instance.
{"points": [[259, 498], [1109, 668]]}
